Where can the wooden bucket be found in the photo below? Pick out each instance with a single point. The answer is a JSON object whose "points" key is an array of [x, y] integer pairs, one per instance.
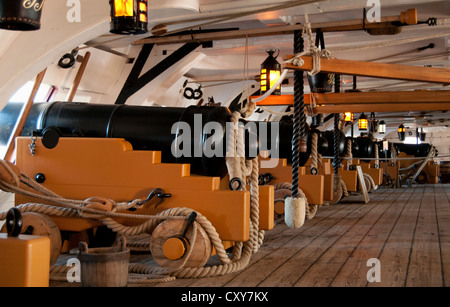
{"points": [[104, 266], [321, 82]]}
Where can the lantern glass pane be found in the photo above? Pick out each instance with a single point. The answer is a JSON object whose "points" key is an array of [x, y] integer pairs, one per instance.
{"points": [[382, 127], [274, 76], [348, 116], [363, 123], [123, 8]]}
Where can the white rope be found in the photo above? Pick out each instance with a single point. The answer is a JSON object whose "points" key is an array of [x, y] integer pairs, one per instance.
{"points": [[273, 88]]}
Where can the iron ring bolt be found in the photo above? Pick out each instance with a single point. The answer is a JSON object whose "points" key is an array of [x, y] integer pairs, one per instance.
{"points": [[190, 221], [314, 171], [232, 181], [190, 93], [261, 180], [14, 222]]}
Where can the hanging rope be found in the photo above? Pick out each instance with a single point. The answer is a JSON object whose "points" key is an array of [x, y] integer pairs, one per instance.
{"points": [[349, 152], [315, 52]]}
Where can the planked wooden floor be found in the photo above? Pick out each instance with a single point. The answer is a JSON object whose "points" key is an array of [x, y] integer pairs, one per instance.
{"points": [[406, 229]]}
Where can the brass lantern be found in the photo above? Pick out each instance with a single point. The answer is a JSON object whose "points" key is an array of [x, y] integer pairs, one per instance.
{"points": [[382, 127], [270, 73], [129, 16], [363, 122], [401, 133], [348, 117]]}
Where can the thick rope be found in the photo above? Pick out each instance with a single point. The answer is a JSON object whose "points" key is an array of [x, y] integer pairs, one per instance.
{"points": [[349, 152], [377, 156], [314, 151], [371, 186]]}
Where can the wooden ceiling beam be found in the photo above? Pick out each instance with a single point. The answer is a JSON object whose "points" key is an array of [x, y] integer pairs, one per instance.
{"points": [[377, 70], [423, 97], [368, 101], [382, 107], [408, 17]]}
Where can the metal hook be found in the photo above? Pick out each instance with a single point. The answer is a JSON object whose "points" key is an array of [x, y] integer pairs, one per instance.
{"points": [[158, 192]]}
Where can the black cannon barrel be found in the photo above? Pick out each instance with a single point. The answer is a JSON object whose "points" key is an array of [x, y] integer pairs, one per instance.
{"points": [[154, 128], [146, 128]]}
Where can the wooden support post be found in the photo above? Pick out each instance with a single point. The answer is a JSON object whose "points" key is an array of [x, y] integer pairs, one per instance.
{"points": [[23, 118], [377, 70], [78, 77]]}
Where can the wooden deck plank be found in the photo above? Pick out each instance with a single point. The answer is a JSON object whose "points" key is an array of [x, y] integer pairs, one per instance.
{"points": [[354, 271], [268, 257], [441, 194], [324, 271], [394, 257], [293, 267], [425, 268]]}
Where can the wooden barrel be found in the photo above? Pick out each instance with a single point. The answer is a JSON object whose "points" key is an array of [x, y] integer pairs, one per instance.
{"points": [[104, 266]]}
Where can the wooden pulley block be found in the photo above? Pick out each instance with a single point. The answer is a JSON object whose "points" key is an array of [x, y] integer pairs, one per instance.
{"points": [[37, 224], [170, 244], [279, 205]]}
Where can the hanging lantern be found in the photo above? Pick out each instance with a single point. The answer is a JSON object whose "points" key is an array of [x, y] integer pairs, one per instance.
{"points": [[401, 133], [382, 127], [348, 117], [21, 15], [129, 16], [363, 123], [270, 73]]}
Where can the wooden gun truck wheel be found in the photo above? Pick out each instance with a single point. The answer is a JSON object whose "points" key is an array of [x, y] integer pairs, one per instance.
{"points": [[169, 248], [37, 224]]}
